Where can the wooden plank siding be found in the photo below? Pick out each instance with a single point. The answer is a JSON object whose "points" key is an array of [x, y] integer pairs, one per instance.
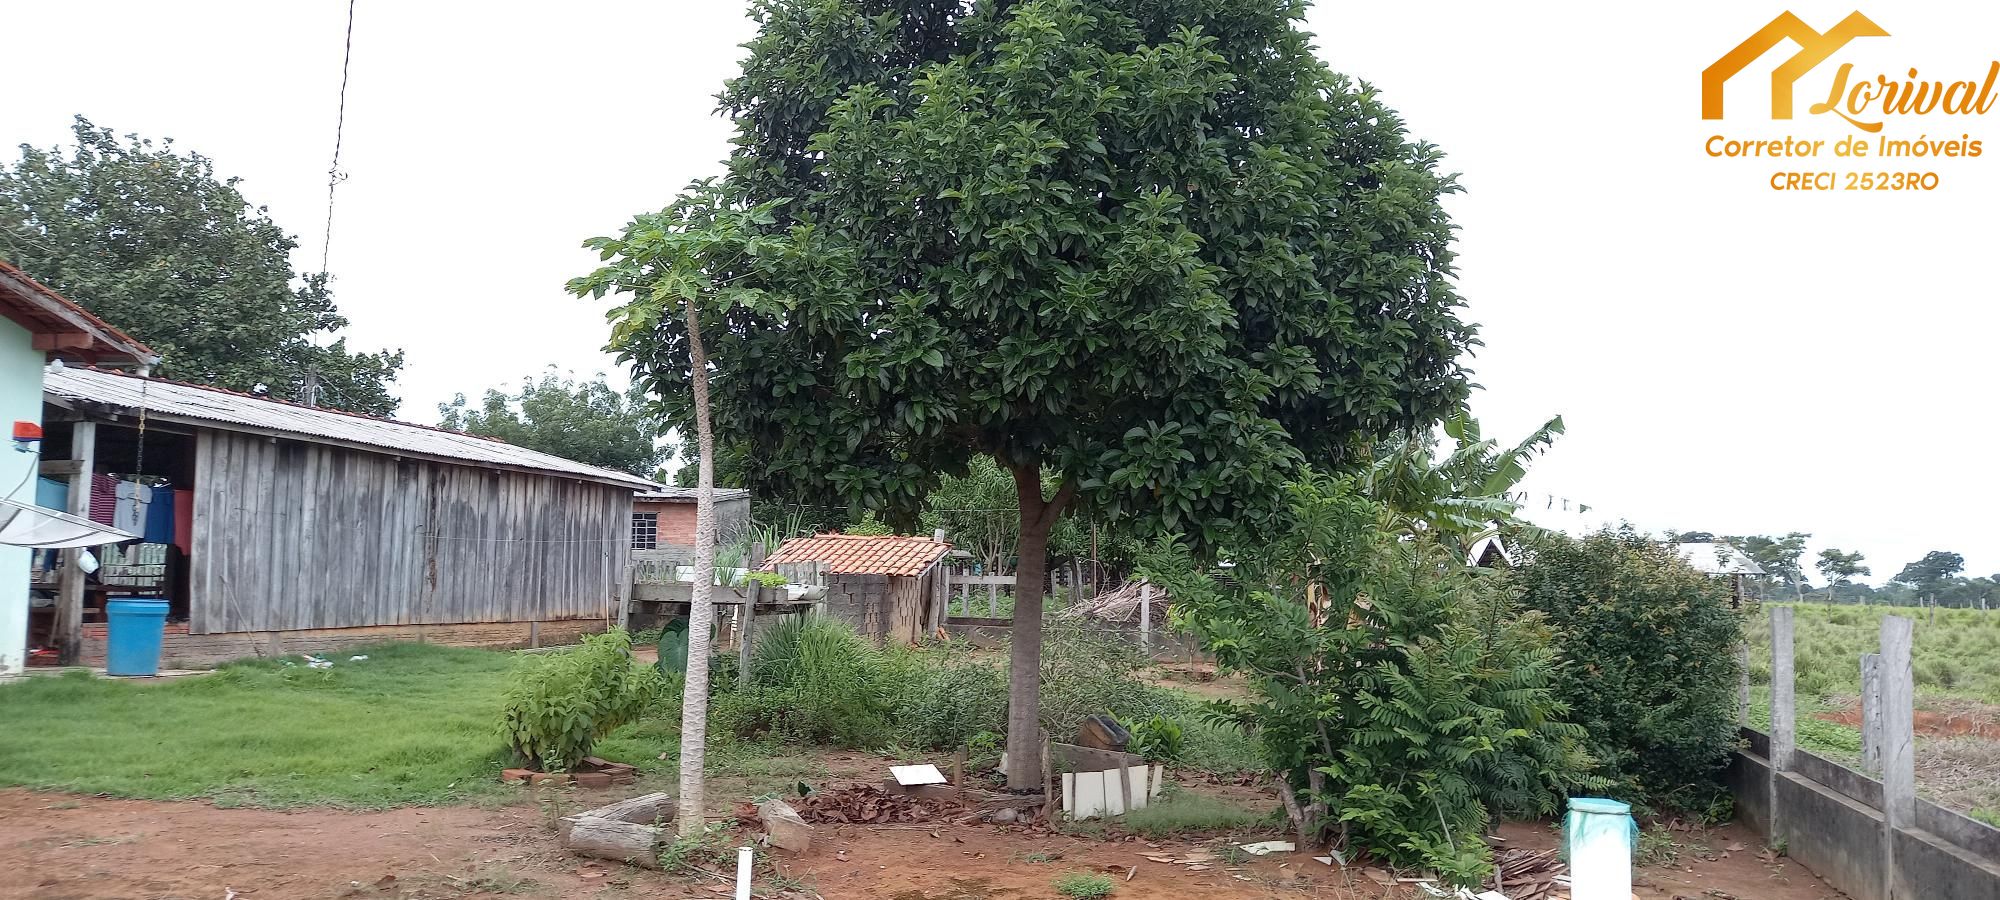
{"points": [[292, 535]]}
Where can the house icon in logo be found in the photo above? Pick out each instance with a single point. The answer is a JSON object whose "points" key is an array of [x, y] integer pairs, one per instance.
{"points": [[1814, 48]]}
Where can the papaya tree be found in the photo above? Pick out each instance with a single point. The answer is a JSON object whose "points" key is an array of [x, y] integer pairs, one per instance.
{"points": [[1150, 258], [681, 262]]}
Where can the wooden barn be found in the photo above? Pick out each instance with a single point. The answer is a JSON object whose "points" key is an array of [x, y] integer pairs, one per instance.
{"points": [[296, 529], [889, 587]]}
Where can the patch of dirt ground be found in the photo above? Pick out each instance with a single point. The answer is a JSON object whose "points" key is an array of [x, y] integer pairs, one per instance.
{"points": [[63, 847]]}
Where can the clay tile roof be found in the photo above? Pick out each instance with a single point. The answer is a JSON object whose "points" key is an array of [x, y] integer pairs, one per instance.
{"points": [[862, 554]]}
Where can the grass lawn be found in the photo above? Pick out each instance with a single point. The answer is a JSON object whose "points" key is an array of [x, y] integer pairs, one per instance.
{"points": [[412, 724]]}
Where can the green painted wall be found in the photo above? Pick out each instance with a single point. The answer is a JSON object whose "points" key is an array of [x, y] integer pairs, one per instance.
{"points": [[20, 399]]}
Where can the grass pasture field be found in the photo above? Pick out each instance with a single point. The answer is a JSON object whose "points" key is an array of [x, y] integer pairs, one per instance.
{"points": [[1955, 662]]}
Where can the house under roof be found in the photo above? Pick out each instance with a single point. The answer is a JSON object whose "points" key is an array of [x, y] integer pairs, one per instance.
{"points": [[64, 329], [284, 528], [172, 401], [1717, 558]]}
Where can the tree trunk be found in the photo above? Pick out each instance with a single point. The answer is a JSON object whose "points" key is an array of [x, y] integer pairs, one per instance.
{"points": [[701, 612], [1024, 664]]}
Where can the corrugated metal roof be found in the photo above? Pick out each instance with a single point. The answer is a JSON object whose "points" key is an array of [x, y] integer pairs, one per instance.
{"points": [[1717, 559], [171, 400], [863, 554], [687, 494]]}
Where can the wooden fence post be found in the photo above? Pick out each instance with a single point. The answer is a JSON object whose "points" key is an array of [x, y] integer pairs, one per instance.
{"points": [[753, 591], [1146, 618], [1783, 712], [1871, 713], [1899, 762]]}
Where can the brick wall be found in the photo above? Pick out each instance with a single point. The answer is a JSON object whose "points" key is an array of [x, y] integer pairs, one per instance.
{"points": [[732, 517]]}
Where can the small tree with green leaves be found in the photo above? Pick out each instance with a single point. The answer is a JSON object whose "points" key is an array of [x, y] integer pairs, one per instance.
{"points": [[1840, 567], [559, 704], [1399, 697], [689, 258]]}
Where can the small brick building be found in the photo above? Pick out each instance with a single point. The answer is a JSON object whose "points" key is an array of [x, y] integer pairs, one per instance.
{"points": [[889, 587], [663, 519]]}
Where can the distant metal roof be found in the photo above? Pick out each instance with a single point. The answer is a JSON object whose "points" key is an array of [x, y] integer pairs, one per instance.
{"points": [[1711, 558], [662, 494], [232, 411]]}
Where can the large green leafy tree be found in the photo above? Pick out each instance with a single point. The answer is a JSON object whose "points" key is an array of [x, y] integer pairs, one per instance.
{"points": [[150, 240], [1932, 572], [1150, 256], [586, 421]]}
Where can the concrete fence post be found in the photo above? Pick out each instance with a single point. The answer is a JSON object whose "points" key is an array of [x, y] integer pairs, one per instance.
{"points": [[1783, 714], [1743, 683], [1899, 760], [1871, 713]]}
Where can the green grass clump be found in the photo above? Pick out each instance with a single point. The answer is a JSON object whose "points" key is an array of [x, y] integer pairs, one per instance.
{"points": [[1084, 887], [1185, 812], [410, 725]]}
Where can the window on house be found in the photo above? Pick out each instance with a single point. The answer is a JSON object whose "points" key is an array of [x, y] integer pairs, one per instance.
{"points": [[645, 531]]}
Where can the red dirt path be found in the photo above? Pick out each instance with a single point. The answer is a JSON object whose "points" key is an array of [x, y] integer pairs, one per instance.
{"points": [[64, 847]]}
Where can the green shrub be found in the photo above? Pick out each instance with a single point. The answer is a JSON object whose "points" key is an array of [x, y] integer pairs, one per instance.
{"points": [[1158, 739], [812, 680], [1399, 701], [558, 704], [1085, 675], [1648, 666], [945, 704], [1084, 887]]}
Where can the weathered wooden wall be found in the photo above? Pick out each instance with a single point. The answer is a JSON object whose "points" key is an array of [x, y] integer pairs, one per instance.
{"points": [[295, 535]]}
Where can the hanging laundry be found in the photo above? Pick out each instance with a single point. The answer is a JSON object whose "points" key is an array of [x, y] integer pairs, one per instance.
{"points": [[103, 499], [160, 518], [130, 514], [184, 521]]}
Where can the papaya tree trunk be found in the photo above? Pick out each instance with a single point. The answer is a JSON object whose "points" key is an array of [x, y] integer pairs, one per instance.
{"points": [[1024, 661], [701, 612]]}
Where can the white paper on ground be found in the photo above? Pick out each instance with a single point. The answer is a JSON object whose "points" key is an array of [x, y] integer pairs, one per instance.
{"points": [[914, 775], [1261, 848]]}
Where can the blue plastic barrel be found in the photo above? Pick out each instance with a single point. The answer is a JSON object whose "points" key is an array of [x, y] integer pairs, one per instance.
{"points": [[137, 625]]}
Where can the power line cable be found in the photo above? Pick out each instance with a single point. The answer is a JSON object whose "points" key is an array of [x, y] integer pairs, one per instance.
{"points": [[333, 177]]}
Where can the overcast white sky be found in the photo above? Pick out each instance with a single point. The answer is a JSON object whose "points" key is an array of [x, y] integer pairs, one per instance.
{"points": [[1621, 277]]}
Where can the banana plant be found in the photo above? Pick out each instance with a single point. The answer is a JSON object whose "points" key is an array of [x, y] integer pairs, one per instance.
{"points": [[1462, 495]]}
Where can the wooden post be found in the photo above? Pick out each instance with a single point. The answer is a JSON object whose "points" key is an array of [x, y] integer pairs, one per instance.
{"points": [[69, 592], [747, 630], [1899, 761], [993, 599], [625, 595], [1783, 711], [1871, 713], [1146, 618]]}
